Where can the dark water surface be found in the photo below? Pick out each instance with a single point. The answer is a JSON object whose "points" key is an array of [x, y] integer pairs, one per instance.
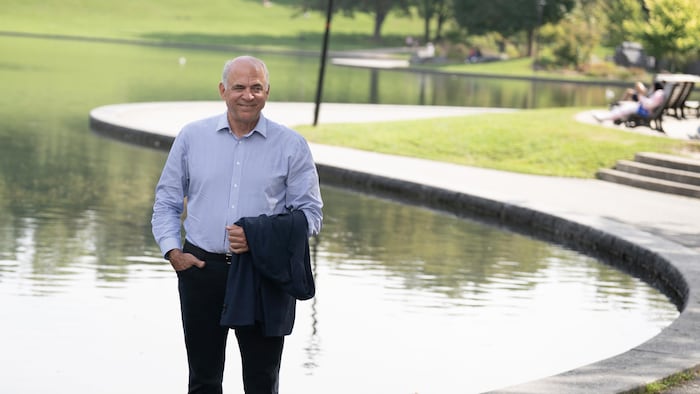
{"points": [[409, 300]]}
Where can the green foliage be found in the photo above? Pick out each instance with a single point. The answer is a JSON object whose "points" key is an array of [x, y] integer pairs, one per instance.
{"points": [[570, 42], [562, 146], [457, 52], [379, 9], [547, 64], [608, 70], [560, 47], [508, 16], [438, 10], [672, 31], [666, 383], [620, 13], [547, 60]]}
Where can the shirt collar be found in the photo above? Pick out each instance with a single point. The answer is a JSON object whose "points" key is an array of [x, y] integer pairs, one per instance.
{"points": [[260, 127]]}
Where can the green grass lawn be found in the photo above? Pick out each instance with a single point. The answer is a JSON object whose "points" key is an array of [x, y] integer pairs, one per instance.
{"points": [[521, 67], [233, 23], [240, 23], [545, 142]]}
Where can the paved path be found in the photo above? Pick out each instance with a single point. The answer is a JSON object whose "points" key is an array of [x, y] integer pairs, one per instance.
{"points": [[660, 230], [681, 129]]}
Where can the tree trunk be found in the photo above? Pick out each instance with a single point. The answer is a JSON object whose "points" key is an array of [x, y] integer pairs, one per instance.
{"points": [[379, 18], [438, 29], [426, 28]]}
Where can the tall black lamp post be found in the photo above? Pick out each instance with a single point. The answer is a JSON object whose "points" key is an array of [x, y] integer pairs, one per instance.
{"points": [[324, 52], [539, 4]]}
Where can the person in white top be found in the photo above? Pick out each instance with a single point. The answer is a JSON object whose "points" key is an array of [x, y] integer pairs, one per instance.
{"points": [[634, 94], [645, 106]]}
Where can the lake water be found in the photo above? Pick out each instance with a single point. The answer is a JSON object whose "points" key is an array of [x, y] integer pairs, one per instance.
{"points": [[409, 300]]}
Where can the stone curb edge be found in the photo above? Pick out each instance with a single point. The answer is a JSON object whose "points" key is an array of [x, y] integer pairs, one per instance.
{"points": [[626, 372], [663, 264]]}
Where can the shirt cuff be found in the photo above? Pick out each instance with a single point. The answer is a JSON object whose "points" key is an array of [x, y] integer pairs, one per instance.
{"points": [[169, 244]]}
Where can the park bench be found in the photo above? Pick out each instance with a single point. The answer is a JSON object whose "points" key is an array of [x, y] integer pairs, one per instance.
{"points": [[693, 105], [653, 121], [679, 104]]}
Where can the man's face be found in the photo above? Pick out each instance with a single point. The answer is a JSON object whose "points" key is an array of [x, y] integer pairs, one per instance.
{"points": [[246, 93]]}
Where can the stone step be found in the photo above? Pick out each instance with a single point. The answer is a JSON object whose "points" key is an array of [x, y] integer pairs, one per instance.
{"points": [[669, 161], [653, 171], [648, 183]]}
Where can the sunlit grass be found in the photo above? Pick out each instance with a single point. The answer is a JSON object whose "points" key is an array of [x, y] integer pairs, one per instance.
{"points": [[545, 142], [671, 381], [237, 23]]}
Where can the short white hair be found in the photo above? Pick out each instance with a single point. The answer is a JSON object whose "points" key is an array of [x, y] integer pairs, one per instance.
{"points": [[259, 63]]}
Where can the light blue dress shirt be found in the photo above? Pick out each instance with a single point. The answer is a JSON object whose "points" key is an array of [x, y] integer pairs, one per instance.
{"points": [[224, 178]]}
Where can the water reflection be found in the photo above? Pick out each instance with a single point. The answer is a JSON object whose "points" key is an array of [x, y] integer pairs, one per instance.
{"points": [[409, 300], [407, 87], [492, 301]]}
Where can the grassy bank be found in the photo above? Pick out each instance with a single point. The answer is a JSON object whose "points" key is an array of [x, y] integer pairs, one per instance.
{"points": [[545, 142], [230, 23], [239, 23]]}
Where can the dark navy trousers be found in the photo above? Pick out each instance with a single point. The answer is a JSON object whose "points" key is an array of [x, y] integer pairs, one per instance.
{"points": [[201, 299]]}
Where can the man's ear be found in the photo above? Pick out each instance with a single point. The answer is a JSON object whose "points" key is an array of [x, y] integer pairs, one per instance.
{"points": [[222, 89]]}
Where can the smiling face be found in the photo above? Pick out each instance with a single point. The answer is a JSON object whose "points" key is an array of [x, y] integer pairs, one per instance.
{"points": [[245, 89]]}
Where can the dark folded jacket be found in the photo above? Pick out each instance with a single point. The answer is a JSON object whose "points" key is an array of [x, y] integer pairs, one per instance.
{"points": [[264, 283]]}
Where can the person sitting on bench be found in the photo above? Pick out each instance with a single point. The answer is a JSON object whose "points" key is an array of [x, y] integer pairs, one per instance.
{"points": [[643, 107], [631, 94]]}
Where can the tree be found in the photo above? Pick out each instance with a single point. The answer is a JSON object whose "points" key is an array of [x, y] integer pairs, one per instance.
{"points": [[508, 17], [672, 30], [444, 13], [617, 12], [440, 10], [571, 41], [379, 8]]}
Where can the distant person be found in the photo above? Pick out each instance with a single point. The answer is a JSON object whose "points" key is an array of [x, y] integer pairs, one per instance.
{"points": [[633, 94], [430, 50], [643, 107], [474, 55], [231, 167], [410, 41]]}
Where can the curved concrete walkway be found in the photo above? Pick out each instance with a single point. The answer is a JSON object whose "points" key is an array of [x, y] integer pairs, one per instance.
{"points": [[650, 234]]}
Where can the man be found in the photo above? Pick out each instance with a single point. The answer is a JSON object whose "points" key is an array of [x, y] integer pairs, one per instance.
{"points": [[227, 167]]}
